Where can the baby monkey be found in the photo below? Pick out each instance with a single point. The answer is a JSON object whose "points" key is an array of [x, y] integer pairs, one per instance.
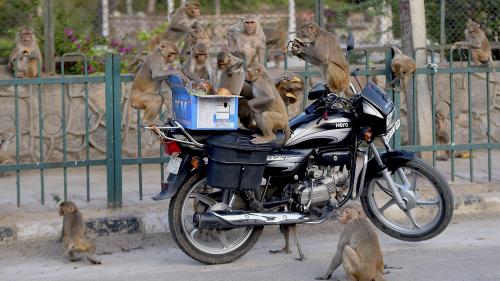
{"points": [[358, 249], [74, 233]]}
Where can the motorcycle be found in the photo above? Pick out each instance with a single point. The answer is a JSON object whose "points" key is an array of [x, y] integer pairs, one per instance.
{"points": [[223, 189]]}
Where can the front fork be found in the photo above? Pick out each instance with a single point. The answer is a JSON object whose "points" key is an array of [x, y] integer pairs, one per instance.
{"points": [[388, 178]]}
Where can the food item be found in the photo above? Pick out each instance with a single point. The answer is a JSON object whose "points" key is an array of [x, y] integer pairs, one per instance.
{"points": [[223, 92]]}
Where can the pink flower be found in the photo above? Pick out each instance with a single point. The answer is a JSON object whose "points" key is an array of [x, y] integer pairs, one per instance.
{"points": [[90, 68], [115, 43], [68, 32]]}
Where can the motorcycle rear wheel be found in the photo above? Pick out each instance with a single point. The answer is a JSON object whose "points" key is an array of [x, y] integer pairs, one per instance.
{"points": [[206, 246], [430, 208]]}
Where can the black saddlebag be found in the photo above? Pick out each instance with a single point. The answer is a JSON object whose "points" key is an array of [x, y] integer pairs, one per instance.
{"points": [[234, 162]]}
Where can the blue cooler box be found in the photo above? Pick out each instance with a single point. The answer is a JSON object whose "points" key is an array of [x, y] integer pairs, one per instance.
{"points": [[209, 112]]}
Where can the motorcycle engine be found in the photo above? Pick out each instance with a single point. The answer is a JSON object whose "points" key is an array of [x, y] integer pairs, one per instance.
{"points": [[323, 184]]}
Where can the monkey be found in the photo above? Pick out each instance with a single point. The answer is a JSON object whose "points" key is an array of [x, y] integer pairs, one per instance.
{"points": [[289, 86], [403, 66], [442, 134], [183, 21], [275, 44], [4, 157], [197, 67], [268, 107], [321, 48], [358, 249], [480, 48], [156, 67], [247, 40], [287, 230], [27, 53], [74, 233], [230, 73], [199, 35]]}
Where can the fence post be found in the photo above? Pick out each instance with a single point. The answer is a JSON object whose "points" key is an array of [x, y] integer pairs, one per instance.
{"points": [[48, 34], [113, 131], [319, 13]]}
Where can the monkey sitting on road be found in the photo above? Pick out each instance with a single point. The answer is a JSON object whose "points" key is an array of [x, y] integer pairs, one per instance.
{"points": [[156, 67], [74, 233], [321, 48], [268, 107], [287, 230], [358, 249]]}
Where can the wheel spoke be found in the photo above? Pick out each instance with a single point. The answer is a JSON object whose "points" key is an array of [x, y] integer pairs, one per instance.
{"points": [[203, 198], [387, 205], [413, 184], [193, 232], [223, 238], [412, 219], [427, 202]]}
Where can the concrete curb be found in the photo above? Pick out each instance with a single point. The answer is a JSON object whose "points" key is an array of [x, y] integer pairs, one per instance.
{"points": [[156, 222]]}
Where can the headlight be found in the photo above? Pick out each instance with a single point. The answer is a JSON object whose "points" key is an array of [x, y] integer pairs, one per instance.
{"points": [[389, 120], [370, 110]]}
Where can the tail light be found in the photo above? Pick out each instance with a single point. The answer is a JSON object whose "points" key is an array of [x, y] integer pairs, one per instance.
{"points": [[171, 147]]}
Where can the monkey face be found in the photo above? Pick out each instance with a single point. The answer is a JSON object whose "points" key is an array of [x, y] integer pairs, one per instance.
{"points": [[308, 32], [26, 36], [193, 9], [345, 216], [169, 51], [254, 72], [250, 26], [67, 207]]}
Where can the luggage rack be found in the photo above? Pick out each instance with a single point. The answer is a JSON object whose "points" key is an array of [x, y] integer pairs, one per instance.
{"points": [[175, 127]]}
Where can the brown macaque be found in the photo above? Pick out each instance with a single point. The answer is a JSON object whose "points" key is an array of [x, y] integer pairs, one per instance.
{"points": [[289, 86], [275, 44], [27, 53], [4, 156], [403, 67], [442, 134], [182, 22], [287, 230], [358, 249], [443, 137], [247, 40], [268, 107], [197, 67], [156, 67], [230, 73], [74, 233], [199, 35], [480, 47], [321, 48]]}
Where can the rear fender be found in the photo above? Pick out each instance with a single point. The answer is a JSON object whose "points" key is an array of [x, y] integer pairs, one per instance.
{"points": [[185, 172]]}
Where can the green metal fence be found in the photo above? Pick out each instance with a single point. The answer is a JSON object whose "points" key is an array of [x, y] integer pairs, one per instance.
{"points": [[114, 160]]}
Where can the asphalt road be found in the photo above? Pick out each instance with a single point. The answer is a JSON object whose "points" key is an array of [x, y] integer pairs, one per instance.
{"points": [[468, 250]]}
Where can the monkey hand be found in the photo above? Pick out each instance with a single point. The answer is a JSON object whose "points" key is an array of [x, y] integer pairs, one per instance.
{"points": [[459, 44], [323, 277], [195, 25]]}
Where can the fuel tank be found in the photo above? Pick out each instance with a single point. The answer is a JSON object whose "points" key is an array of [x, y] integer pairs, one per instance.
{"points": [[313, 131]]}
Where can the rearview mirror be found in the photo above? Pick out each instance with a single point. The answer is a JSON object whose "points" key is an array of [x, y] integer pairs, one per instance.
{"points": [[318, 91], [350, 42]]}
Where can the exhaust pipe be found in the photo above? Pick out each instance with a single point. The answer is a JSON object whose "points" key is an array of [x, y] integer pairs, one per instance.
{"points": [[233, 219]]}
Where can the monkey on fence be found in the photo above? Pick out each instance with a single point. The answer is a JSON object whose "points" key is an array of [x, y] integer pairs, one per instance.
{"points": [[156, 67], [268, 107], [27, 53], [247, 40], [275, 44], [358, 249], [321, 48], [403, 67], [480, 48], [73, 233]]}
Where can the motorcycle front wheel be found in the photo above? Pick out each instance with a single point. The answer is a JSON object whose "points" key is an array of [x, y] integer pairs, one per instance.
{"points": [[428, 198], [207, 246]]}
